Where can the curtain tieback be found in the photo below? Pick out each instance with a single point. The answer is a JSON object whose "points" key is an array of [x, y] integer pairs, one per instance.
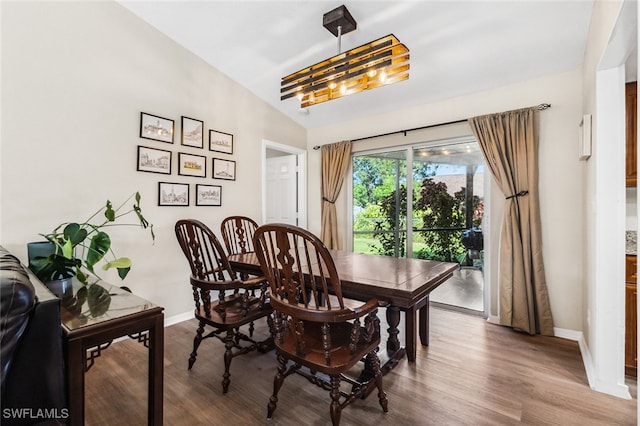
{"points": [[519, 194], [328, 200]]}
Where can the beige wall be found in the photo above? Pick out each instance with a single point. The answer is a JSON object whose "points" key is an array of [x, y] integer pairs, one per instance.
{"points": [[561, 184], [75, 77]]}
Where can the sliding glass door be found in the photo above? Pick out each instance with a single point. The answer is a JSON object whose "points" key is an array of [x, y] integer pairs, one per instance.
{"points": [[445, 210]]}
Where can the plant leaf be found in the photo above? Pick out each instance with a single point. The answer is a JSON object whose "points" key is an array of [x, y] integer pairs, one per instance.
{"points": [[100, 244], [67, 249], [82, 277], [74, 233], [123, 265], [98, 299], [122, 273], [109, 213], [53, 267], [143, 222], [123, 262]]}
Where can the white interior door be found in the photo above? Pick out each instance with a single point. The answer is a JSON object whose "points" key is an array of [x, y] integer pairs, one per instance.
{"points": [[281, 190]]}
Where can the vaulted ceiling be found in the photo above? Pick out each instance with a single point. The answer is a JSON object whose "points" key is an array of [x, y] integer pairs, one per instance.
{"points": [[456, 47]]}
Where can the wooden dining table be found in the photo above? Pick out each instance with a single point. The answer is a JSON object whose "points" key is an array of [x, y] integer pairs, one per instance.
{"points": [[402, 284]]}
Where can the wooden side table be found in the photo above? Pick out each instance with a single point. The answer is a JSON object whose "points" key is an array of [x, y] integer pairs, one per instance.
{"points": [[85, 336]]}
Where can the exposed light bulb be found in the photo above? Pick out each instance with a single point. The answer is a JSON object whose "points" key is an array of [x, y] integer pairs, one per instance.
{"points": [[383, 76], [332, 85], [372, 73], [343, 88], [300, 95]]}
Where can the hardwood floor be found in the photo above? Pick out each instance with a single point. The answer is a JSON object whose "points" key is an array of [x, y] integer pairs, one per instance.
{"points": [[472, 373]]}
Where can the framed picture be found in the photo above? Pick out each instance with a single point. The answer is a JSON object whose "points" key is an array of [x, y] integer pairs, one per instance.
{"points": [[156, 128], [192, 165], [224, 169], [208, 195], [220, 142], [192, 132], [154, 160], [173, 194]]}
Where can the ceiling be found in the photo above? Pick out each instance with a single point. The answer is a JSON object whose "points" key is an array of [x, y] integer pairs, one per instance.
{"points": [[456, 47]]}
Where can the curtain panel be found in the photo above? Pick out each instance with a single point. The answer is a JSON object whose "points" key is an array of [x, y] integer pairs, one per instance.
{"points": [[335, 162], [509, 142]]}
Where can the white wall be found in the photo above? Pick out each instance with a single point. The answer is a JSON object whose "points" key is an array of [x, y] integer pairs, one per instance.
{"points": [[603, 98], [75, 77], [560, 182]]}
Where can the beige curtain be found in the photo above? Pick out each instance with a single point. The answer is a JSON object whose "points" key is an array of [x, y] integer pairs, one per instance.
{"points": [[335, 162], [509, 142]]}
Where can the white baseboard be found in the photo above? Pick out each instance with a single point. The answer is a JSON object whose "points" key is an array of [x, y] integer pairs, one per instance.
{"points": [[175, 319], [618, 390], [565, 333]]}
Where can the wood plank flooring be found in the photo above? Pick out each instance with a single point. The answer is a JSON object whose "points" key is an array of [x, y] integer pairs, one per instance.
{"points": [[472, 373]]}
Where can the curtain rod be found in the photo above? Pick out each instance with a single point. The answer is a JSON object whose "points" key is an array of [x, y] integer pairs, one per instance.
{"points": [[541, 107]]}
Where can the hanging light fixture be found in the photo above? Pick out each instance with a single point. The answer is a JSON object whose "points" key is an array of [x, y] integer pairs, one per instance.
{"points": [[380, 62]]}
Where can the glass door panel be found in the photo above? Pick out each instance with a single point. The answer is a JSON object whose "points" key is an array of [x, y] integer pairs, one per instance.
{"points": [[380, 203], [448, 203], [448, 207]]}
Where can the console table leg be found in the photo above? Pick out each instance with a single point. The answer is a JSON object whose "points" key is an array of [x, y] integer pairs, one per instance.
{"points": [[76, 360], [156, 371]]}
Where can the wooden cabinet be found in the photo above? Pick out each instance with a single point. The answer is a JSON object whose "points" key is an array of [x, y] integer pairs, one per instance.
{"points": [[631, 313], [631, 106]]}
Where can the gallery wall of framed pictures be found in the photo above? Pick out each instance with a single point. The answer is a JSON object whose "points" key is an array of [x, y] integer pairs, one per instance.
{"points": [[191, 159]]}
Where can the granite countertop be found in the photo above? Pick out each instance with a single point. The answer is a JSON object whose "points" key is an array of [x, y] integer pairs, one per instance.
{"points": [[631, 246]]}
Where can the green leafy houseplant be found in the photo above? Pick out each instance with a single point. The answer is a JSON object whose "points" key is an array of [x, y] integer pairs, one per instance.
{"points": [[79, 247]]}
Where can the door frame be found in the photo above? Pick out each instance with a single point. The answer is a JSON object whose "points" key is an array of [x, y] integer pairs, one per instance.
{"points": [[301, 173]]}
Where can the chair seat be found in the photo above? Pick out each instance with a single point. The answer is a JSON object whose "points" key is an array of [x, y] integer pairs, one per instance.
{"points": [[233, 310], [341, 357]]}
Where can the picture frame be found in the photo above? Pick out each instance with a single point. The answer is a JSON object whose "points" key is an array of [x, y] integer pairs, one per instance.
{"points": [[220, 142], [156, 128], [173, 194], [192, 165], [224, 169], [154, 160], [192, 132], [208, 195]]}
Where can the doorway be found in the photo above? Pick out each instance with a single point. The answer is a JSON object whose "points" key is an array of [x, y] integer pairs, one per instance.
{"points": [[284, 183]]}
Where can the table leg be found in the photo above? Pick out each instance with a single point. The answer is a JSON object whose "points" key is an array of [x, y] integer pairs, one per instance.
{"points": [[393, 319], [156, 371], [424, 323], [410, 333], [76, 359]]}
